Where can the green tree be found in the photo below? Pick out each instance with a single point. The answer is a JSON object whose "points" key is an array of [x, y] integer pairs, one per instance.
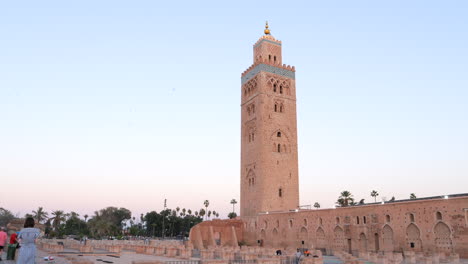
{"points": [[374, 194], [233, 202], [5, 216], [189, 212], [316, 205], [40, 214], [108, 221], [345, 199], [412, 196], [232, 215], [202, 212], [58, 217]]}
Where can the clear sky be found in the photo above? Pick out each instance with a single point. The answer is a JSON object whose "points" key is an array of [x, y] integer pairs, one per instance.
{"points": [[126, 103]]}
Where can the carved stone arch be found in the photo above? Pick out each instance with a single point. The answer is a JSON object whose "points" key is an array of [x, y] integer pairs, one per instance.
{"points": [[362, 242], [387, 238], [443, 237], [321, 241], [338, 239], [284, 135], [413, 237]]}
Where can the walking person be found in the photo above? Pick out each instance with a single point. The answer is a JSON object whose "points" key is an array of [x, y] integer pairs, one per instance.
{"points": [[298, 256], [3, 239], [27, 238]]}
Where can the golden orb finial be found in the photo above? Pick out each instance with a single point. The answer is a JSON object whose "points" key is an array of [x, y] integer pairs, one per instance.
{"points": [[267, 31]]}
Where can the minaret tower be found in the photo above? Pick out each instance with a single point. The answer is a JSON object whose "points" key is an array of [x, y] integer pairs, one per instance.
{"points": [[269, 164]]}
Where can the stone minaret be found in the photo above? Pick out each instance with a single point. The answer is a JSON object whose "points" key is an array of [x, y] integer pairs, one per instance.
{"points": [[269, 165]]}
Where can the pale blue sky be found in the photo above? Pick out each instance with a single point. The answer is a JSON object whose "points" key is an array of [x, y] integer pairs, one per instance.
{"points": [[127, 102]]}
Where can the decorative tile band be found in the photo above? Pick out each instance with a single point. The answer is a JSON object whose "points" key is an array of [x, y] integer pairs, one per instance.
{"points": [[267, 68], [267, 40]]}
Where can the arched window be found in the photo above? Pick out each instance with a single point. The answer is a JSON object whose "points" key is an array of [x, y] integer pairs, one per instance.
{"points": [[387, 218], [357, 220], [278, 134], [274, 87], [250, 182], [305, 222], [290, 223], [269, 57], [274, 58], [337, 220], [276, 107], [279, 148], [439, 216], [412, 218], [364, 219], [280, 192], [281, 89]]}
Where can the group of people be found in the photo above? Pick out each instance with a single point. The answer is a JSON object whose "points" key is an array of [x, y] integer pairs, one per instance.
{"points": [[25, 241]]}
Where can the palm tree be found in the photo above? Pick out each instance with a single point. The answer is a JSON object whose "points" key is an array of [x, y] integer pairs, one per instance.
{"points": [[206, 203], [217, 214], [196, 213], [345, 199], [316, 205], [412, 196], [57, 219], [183, 212], [40, 214], [202, 212], [209, 214], [213, 213], [374, 194], [233, 202], [85, 217], [189, 212]]}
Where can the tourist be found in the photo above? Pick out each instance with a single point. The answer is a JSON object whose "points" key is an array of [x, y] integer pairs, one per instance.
{"points": [[12, 247], [3, 239], [27, 238], [298, 256]]}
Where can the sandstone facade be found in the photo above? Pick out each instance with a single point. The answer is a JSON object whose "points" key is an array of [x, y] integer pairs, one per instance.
{"points": [[271, 217]]}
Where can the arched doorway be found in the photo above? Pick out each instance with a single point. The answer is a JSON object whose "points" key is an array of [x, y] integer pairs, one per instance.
{"points": [[303, 236], [262, 238], [443, 240], [339, 239], [362, 242], [387, 237], [376, 242], [413, 237], [320, 236]]}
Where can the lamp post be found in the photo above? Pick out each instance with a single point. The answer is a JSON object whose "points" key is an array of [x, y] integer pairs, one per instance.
{"points": [[164, 216]]}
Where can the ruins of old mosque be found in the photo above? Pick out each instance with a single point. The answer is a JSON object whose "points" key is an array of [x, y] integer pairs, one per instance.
{"points": [[270, 215], [432, 230]]}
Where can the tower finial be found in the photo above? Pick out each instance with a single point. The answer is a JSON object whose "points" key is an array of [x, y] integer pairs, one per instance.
{"points": [[267, 31]]}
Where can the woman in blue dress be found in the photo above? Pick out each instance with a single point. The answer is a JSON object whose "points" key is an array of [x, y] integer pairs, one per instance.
{"points": [[27, 239]]}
